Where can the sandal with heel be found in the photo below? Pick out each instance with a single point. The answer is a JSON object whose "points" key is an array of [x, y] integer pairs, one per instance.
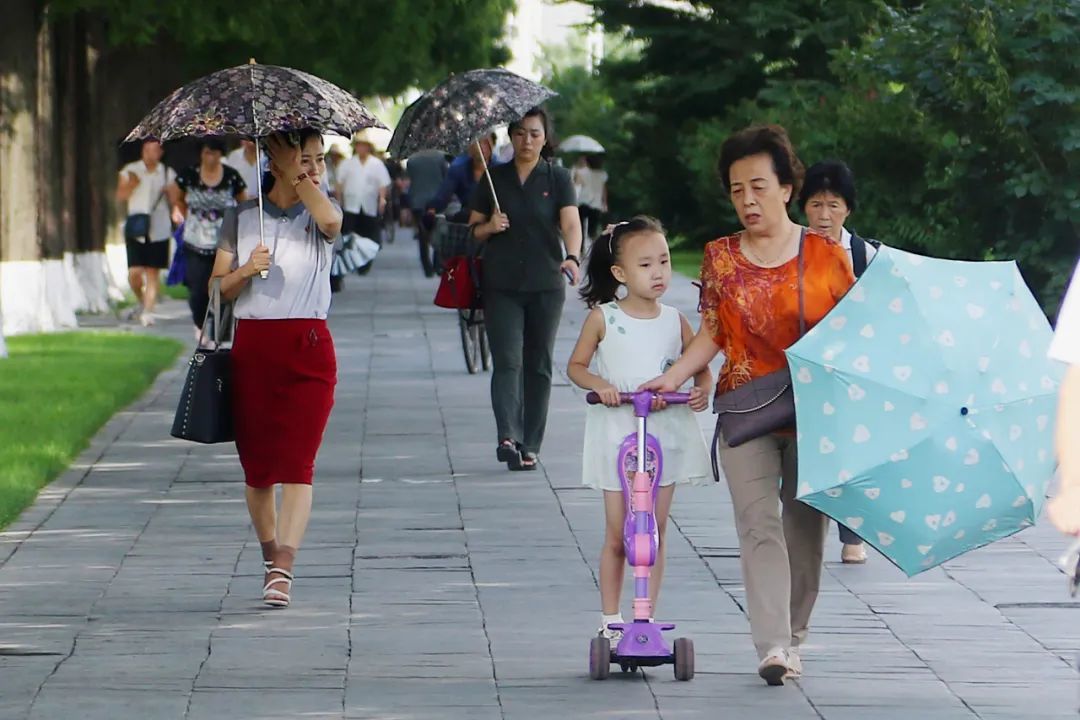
{"points": [[273, 596]]}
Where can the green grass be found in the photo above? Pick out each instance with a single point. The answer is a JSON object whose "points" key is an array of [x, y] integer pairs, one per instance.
{"points": [[687, 261], [56, 391], [176, 292]]}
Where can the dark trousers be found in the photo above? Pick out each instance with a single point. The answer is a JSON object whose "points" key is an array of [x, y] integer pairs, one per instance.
{"points": [[590, 221], [521, 329], [197, 271], [848, 536], [423, 239]]}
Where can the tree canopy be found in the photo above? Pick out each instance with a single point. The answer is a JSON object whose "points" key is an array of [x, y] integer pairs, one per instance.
{"points": [[369, 47], [960, 120]]}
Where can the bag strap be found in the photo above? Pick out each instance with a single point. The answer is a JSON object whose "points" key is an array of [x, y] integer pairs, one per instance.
{"points": [[164, 185], [214, 307], [858, 255], [802, 306]]}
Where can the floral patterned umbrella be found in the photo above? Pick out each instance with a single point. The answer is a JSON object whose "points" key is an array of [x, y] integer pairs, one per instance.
{"points": [[462, 109], [254, 101]]}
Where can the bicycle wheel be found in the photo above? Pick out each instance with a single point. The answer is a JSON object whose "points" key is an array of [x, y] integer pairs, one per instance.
{"points": [[470, 341]]}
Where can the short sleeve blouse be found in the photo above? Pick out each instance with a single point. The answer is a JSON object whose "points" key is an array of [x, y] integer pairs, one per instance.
{"points": [[752, 313]]}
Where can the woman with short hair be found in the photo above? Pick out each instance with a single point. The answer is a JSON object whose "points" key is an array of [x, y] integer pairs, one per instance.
{"points": [[751, 311]]}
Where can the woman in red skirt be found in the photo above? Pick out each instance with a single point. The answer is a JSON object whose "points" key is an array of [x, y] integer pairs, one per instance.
{"points": [[284, 367]]}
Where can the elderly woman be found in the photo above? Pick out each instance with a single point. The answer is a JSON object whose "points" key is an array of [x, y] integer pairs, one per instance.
{"points": [[827, 199], [284, 366], [751, 312], [524, 284]]}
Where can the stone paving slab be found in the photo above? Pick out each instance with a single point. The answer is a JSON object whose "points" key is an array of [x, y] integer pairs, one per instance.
{"points": [[434, 584]]}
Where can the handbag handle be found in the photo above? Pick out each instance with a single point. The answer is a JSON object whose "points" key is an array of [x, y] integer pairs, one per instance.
{"points": [[214, 306]]}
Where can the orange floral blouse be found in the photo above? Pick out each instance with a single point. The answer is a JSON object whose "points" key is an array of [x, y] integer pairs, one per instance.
{"points": [[752, 313]]}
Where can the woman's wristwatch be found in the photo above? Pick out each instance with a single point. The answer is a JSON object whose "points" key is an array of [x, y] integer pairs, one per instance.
{"points": [[575, 259]]}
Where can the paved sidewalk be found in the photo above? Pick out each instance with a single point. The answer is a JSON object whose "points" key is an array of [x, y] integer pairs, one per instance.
{"points": [[434, 584]]}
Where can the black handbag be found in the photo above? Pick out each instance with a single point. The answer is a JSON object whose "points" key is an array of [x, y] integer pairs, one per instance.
{"points": [[761, 406], [204, 414]]}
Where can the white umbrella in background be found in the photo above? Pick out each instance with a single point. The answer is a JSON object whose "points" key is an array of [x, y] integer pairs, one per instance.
{"points": [[580, 144]]}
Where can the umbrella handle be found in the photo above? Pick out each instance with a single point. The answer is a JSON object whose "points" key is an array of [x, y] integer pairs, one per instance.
{"points": [[258, 188], [487, 174]]}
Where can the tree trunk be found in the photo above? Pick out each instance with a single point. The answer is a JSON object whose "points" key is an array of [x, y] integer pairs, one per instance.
{"points": [[18, 104]]}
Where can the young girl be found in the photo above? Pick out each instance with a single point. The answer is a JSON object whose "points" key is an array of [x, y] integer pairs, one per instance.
{"points": [[632, 339]]}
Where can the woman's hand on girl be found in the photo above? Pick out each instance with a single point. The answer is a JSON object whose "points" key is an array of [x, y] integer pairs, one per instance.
{"points": [[661, 384]]}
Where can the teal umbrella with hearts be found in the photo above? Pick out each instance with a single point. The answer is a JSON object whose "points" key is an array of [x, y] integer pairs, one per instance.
{"points": [[925, 407]]}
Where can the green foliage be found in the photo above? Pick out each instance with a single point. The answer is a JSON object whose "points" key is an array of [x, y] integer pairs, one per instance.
{"points": [[56, 391], [367, 46], [960, 120]]}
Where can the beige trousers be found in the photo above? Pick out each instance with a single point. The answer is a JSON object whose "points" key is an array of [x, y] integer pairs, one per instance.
{"points": [[781, 554]]}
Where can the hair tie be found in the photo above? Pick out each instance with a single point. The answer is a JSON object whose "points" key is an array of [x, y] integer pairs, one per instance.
{"points": [[610, 232]]}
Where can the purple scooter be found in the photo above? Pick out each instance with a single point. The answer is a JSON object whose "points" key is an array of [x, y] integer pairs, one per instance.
{"points": [[641, 465]]}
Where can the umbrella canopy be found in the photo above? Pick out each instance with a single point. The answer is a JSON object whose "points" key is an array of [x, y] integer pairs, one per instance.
{"points": [[580, 144], [925, 407], [253, 101], [462, 108]]}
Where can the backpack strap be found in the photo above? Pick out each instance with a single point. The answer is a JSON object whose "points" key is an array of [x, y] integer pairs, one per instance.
{"points": [[858, 255]]}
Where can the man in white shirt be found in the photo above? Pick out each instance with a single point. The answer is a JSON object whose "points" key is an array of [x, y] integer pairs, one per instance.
{"points": [[363, 184], [244, 160], [148, 226], [1064, 509]]}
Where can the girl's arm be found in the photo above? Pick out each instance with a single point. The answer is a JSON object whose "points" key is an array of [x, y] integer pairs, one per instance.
{"points": [[703, 379], [592, 332]]}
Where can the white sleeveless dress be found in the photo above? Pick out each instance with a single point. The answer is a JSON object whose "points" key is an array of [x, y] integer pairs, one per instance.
{"points": [[632, 352]]}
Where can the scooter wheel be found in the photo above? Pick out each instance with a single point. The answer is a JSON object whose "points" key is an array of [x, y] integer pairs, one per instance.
{"points": [[599, 658], [684, 659]]}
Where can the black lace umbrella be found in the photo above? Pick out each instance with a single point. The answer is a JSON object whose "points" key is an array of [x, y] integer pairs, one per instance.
{"points": [[254, 101], [462, 109]]}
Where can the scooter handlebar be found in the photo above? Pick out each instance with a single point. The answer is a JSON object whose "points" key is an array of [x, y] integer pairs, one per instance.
{"points": [[671, 398]]}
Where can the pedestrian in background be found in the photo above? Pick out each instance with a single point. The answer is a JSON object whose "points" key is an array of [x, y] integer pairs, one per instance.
{"points": [[143, 186]]}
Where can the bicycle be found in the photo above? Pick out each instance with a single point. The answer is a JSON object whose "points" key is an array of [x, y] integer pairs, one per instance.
{"points": [[455, 240]]}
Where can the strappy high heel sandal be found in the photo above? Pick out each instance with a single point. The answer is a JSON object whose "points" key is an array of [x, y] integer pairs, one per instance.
{"points": [[273, 596]]}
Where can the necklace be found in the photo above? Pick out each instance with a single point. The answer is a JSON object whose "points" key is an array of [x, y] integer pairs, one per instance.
{"points": [[761, 261]]}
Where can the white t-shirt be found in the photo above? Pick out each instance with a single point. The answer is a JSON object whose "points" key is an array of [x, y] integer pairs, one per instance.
{"points": [[360, 184], [845, 242], [248, 171], [147, 193], [1066, 343], [590, 186]]}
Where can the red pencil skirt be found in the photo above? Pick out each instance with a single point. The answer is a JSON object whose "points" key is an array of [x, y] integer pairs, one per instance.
{"points": [[284, 373]]}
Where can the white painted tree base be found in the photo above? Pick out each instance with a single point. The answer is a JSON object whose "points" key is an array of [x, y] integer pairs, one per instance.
{"points": [[44, 296]]}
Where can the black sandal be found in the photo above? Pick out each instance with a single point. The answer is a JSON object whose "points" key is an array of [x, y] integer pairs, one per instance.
{"points": [[528, 462], [509, 453]]}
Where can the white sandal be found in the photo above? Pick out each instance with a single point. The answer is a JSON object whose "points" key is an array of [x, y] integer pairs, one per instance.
{"points": [[274, 597]]}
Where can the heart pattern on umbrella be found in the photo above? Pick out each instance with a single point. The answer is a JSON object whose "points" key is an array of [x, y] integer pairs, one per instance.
{"points": [[965, 439]]}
